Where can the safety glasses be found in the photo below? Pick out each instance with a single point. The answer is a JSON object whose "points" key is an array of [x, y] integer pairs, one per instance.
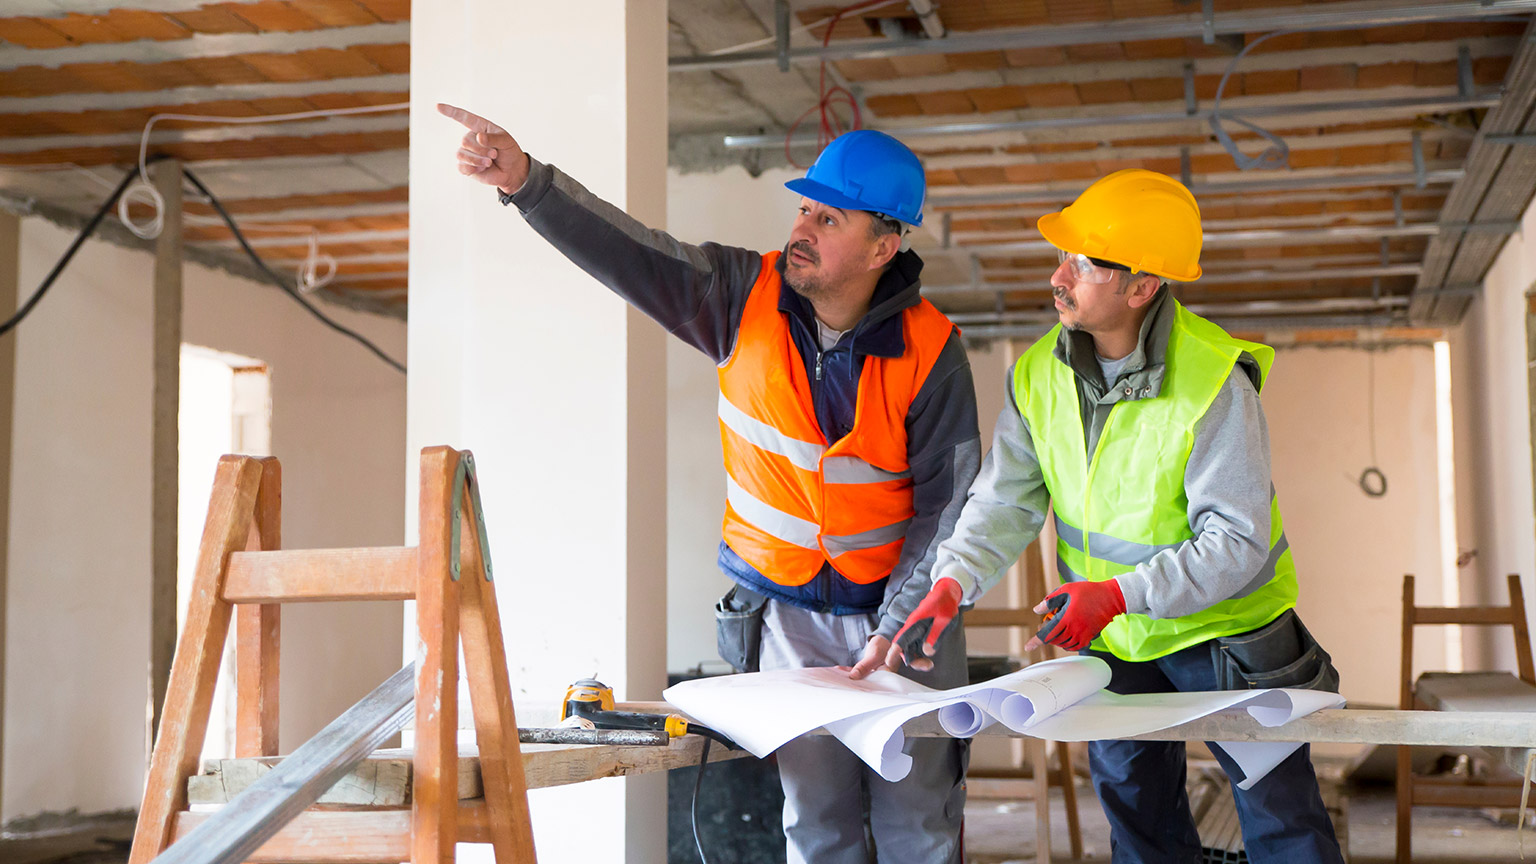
{"points": [[1091, 270]]}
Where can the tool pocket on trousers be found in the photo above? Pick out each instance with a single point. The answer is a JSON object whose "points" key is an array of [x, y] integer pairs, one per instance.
{"points": [[739, 628], [1280, 654]]}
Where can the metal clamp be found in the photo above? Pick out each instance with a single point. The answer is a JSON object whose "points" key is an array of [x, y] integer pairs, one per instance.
{"points": [[464, 475]]}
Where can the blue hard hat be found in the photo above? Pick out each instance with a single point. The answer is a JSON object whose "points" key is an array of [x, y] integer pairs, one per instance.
{"points": [[867, 170]]}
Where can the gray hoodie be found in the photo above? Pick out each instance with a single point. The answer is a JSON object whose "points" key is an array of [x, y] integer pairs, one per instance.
{"points": [[1227, 482]]}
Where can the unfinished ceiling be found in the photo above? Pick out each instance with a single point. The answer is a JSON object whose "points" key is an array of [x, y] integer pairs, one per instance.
{"points": [[1403, 127]]}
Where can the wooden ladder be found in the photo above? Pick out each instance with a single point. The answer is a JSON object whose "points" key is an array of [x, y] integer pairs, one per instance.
{"points": [[241, 573]]}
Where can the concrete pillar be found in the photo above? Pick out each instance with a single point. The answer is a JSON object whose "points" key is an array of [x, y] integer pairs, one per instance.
{"points": [[164, 455], [556, 385]]}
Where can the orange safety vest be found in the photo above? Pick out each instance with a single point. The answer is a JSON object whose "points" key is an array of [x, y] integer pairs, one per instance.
{"points": [[792, 500]]}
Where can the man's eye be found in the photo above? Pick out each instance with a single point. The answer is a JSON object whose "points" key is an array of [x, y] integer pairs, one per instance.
{"points": [[828, 220]]}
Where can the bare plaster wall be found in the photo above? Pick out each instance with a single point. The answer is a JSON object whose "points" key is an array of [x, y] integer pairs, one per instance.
{"points": [[78, 599], [1493, 441]]}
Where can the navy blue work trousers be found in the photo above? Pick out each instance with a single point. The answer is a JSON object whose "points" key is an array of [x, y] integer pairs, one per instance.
{"points": [[1141, 783]]}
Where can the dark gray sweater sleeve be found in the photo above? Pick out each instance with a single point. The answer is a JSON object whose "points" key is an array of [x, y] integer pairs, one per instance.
{"points": [[1227, 482], [696, 292], [1004, 510], [944, 450]]}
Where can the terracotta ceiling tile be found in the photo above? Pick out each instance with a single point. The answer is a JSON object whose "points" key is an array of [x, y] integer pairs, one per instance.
{"points": [[1266, 81], [335, 13], [942, 177], [1078, 11], [1158, 89], [273, 16], [1205, 86], [988, 99], [1398, 33], [977, 61], [31, 33], [1385, 75], [140, 24], [351, 100], [945, 102], [1020, 58], [1101, 92], [87, 29], [1051, 95], [223, 70], [981, 175], [388, 10], [1339, 76], [894, 105], [162, 76], [1103, 52], [1154, 49], [112, 77], [213, 19], [1315, 157], [280, 106], [1435, 74], [863, 69], [20, 125], [1335, 38], [284, 67], [921, 64], [1490, 71]]}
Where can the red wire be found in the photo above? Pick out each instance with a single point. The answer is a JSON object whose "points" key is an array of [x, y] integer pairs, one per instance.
{"points": [[830, 125]]}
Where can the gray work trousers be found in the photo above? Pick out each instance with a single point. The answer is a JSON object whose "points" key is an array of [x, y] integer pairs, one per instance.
{"points": [[829, 793]]}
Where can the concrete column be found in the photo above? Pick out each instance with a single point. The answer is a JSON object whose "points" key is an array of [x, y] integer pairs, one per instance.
{"points": [[556, 385]]}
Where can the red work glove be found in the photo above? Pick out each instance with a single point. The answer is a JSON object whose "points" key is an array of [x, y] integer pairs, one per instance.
{"points": [[1090, 607], [929, 618]]}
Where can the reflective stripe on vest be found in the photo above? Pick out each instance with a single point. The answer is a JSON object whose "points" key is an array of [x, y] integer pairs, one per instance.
{"points": [[795, 502], [1126, 504]]}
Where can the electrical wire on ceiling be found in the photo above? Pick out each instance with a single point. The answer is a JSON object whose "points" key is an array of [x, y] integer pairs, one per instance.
{"points": [[317, 269], [1372, 481], [830, 125], [137, 173]]}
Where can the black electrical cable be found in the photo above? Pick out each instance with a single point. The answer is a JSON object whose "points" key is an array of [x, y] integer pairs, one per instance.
{"points": [[693, 809], [282, 283], [26, 308], [698, 780]]}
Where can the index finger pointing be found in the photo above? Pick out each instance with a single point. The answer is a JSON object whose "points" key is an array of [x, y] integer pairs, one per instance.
{"points": [[470, 120]]}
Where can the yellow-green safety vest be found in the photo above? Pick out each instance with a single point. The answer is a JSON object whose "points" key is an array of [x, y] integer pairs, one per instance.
{"points": [[1128, 503]]}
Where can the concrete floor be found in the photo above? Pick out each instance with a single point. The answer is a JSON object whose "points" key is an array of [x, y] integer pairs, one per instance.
{"points": [[998, 831]]}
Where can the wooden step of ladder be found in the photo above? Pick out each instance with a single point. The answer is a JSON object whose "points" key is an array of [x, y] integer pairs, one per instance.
{"points": [[243, 575]]}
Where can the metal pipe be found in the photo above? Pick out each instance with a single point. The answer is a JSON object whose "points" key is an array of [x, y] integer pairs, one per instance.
{"points": [[928, 16], [1379, 13], [1284, 183], [1338, 232], [255, 815], [1409, 104], [1218, 278]]}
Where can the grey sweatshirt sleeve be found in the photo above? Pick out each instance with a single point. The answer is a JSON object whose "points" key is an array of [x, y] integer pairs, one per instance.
{"points": [[944, 447], [696, 292], [1227, 482], [1003, 512]]}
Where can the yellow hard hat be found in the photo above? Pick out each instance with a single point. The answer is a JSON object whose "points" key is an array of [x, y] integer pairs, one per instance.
{"points": [[1145, 220]]}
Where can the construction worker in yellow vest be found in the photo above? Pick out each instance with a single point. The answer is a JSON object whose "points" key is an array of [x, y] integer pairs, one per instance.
{"points": [[1140, 424]]}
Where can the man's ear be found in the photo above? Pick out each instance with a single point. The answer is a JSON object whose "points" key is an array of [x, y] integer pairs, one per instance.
{"points": [[885, 249], [1143, 288]]}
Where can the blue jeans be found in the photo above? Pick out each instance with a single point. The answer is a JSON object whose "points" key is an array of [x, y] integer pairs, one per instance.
{"points": [[1140, 784]]}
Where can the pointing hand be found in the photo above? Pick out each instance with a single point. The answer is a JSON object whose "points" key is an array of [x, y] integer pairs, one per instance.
{"points": [[487, 152]]}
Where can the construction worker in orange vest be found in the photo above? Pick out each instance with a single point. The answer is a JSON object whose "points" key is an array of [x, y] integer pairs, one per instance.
{"points": [[848, 424]]}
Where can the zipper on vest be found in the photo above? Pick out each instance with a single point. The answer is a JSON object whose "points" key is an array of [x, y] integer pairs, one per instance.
{"points": [[818, 364]]}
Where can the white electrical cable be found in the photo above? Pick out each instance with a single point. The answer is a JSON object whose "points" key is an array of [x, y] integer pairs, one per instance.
{"points": [[144, 192], [311, 277]]}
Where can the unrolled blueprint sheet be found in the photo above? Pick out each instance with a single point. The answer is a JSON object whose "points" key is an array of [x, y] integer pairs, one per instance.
{"points": [[1058, 699]]}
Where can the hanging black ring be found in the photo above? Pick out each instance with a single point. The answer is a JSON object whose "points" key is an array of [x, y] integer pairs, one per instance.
{"points": [[1373, 482]]}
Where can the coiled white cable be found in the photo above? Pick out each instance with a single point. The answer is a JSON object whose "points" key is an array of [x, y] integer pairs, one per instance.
{"points": [[144, 192]]}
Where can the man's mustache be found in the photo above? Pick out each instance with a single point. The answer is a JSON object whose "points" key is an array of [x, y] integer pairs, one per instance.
{"points": [[805, 249], [1066, 301]]}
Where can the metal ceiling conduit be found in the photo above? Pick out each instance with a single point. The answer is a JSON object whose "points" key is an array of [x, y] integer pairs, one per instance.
{"points": [[1412, 105], [1366, 13], [1235, 278], [1394, 318], [1280, 235], [1207, 310], [1287, 183]]}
